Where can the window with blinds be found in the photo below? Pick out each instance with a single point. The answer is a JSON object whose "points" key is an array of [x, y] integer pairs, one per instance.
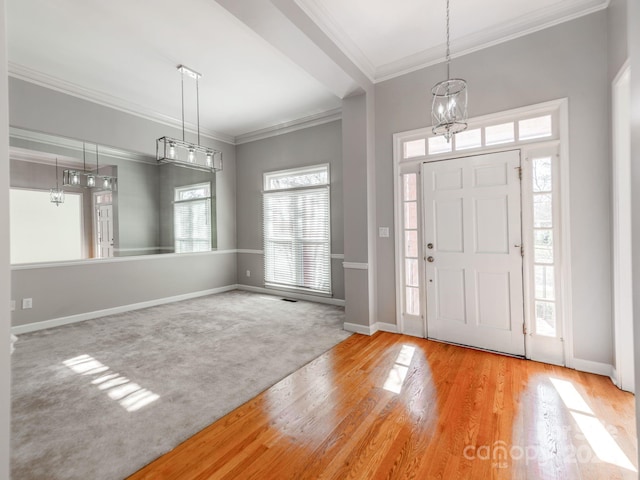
{"points": [[192, 218], [297, 237]]}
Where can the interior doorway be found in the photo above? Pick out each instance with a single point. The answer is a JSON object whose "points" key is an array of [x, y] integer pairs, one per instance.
{"points": [[103, 224]]}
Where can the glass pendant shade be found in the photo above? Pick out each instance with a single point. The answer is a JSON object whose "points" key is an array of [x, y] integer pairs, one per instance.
{"points": [[88, 178], [449, 108], [56, 196], [185, 154]]}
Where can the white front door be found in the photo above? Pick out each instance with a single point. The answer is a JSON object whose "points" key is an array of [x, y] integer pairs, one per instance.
{"points": [[104, 231], [472, 235]]}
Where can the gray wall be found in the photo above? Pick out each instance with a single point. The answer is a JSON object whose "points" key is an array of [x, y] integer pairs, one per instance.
{"points": [[74, 289], [5, 285], [617, 32], [356, 155], [63, 291], [569, 60], [137, 204], [309, 146]]}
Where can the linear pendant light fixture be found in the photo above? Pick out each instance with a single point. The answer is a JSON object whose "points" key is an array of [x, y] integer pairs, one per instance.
{"points": [[56, 194], [86, 178], [185, 154], [449, 107]]}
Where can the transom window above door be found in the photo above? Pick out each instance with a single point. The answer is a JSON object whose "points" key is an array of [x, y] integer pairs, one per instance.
{"points": [[486, 134]]}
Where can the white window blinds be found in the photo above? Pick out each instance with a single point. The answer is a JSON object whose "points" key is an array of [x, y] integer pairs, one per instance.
{"points": [[192, 218], [297, 236]]}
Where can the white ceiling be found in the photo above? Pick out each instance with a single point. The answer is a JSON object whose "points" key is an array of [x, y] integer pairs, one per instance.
{"points": [[388, 38], [124, 53]]}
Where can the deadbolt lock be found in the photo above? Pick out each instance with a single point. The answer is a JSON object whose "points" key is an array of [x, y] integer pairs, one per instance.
{"points": [[430, 246]]}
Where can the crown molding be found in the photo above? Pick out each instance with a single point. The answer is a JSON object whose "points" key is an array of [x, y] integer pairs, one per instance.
{"points": [[30, 75], [42, 158], [75, 146], [38, 78], [325, 21], [502, 33], [292, 126]]}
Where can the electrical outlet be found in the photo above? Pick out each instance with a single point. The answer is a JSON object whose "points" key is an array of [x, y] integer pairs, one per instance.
{"points": [[27, 303], [13, 305], [248, 273]]}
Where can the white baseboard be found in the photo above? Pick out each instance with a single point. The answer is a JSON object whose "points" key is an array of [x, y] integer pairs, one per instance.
{"points": [[356, 328], [295, 295], [614, 378], [594, 367], [81, 317], [370, 329], [386, 327]]}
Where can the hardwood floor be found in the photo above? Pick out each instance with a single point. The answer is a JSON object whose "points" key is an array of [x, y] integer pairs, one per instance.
{"points": [[391, 406]]}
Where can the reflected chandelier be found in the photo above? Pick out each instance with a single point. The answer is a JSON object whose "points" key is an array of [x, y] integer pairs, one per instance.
{"points": [[449, 107], [56, 194], [84, 178], [183, 153]]}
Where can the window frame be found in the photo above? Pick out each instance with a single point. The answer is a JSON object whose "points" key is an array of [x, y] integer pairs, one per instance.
{"points": [[176, 202], [296, 171]]}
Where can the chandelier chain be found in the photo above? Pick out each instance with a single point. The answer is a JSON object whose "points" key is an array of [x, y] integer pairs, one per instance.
{"points": [[448, 44], [182, 97], [197, 107]]}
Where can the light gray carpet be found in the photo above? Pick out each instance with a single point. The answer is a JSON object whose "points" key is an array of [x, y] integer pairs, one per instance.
{"points": [[72, 385]]}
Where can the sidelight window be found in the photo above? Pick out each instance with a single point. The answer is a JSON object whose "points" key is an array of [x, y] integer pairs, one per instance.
{"points": [[544, 246]]}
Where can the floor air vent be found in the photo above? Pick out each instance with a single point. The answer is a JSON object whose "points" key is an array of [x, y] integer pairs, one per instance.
{"points": [[289, 300]]}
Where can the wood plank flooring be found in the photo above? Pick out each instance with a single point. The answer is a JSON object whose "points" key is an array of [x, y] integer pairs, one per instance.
{"points": [[391, 406]]}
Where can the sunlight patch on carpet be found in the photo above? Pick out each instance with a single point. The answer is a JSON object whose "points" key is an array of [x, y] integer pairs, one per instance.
{"points": [[130, 395]]}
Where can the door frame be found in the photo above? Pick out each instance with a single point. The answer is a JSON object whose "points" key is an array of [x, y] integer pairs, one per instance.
{"points": [[559, 138], [95, 219], [621, 223]]}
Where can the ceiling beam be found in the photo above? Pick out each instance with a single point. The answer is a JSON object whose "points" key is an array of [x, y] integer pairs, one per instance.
{"points": [[288, 29]]}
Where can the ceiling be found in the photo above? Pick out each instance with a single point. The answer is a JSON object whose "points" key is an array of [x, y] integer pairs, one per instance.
{"points": [[261, 62]]}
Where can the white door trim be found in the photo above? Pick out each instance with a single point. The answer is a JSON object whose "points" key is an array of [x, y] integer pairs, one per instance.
{"points": [[621, 215]]}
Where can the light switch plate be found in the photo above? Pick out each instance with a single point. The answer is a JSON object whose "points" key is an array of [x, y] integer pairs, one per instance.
{"points": [[27, 303], [383, 232]]}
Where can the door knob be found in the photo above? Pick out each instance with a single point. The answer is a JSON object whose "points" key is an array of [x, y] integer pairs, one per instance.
{"points": [[430, 259]]}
